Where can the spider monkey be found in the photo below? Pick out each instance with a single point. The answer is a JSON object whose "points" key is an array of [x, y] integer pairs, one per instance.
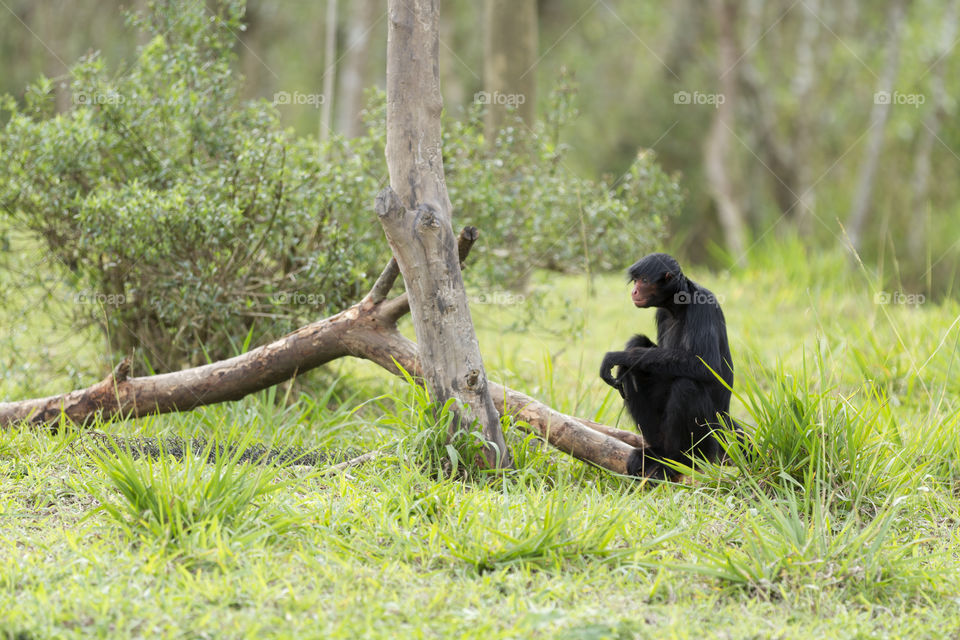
{"points": [[671, 389]]}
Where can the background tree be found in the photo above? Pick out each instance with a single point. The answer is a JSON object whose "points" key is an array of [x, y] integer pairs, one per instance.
{"points": [[329, 70], [882, 101], [806, 76], [355, 74], [939, 101], [805, 79], [509, 61], [717, 148]]}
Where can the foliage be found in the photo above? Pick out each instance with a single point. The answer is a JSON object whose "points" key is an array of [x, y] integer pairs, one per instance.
{"points": [[183, 215], [631, 60], [186, 218], [533, 210]]}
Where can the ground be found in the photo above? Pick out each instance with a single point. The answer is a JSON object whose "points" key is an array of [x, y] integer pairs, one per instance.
{"points": [[842, 525]]}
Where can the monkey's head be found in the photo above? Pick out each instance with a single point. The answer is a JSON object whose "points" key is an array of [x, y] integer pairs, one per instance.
{"points": [[656, 279]]}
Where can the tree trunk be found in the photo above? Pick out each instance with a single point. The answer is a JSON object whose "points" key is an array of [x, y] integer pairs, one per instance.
{"points": [[416, 217], [50, 21], [251, 39], [920, 183], [509, 61], [354, 76], [882, 100], [801, 180], [329, 70], [717, 149], [761, 130]]}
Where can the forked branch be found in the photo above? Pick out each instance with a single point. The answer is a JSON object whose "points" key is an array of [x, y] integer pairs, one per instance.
{"points": [[367, 330]]}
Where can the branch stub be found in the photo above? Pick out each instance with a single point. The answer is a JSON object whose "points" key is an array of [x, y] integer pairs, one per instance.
{"points": [[388, 204]]}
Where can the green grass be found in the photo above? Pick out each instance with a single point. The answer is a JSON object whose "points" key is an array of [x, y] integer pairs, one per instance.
{"points": [[841, 521]]}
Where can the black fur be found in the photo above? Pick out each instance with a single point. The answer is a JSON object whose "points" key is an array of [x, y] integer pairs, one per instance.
{"points": [[670, 389]]}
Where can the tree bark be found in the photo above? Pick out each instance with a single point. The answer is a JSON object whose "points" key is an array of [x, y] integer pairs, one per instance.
{"points": [[329, 69], [863, 196], [366, 330], [801, 179], [717, 152], [784, 146], [919, 220], [416, 216], [49, 24], [509, 61], [354, 76]]}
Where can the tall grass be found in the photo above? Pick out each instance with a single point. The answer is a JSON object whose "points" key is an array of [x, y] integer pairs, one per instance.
{"points": [[189, 505], [827, 485]]}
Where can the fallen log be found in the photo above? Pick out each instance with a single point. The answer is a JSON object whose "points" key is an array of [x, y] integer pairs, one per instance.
{"points": [[366, 330]]}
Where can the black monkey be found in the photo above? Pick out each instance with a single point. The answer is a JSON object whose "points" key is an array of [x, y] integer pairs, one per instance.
{"points": [[670, 389]]}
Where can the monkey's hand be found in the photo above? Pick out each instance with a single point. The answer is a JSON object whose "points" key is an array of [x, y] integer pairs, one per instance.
{"points": [[640, 341], [621, 379], [611, 360]]}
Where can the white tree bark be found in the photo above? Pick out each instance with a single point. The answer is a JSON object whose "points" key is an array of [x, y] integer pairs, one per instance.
{"points": [[920, 183], [863, 196], [717, 151], [802, 181], [329, 69], [353, 77]]}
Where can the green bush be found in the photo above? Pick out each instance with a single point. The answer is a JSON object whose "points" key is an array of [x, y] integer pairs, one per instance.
{"points": [[188, 214], [187, 219], [534, 211]]}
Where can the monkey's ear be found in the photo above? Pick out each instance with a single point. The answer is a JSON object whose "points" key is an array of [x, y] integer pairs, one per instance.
{"points": [[668, 276]]}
